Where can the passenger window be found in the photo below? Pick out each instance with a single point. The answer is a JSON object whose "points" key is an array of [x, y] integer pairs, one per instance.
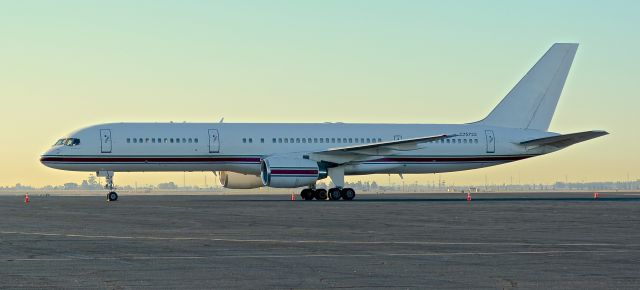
{"points": [[368, 140], [195, 140], [350, 140], [244, 140], [308, 140], [286, 140], [448, 141], [379, 139], [171, 140], [280, 140], [321, 139], [290, 140], [190, 140], [476, 141], [153, 140], [177, 140], [146, 140], [326, 140], [344, 140], [361, 140], [128, 140], [273, 140], [184, 140], [135, 140], [315, 140], [250, 140], [304, 140]]}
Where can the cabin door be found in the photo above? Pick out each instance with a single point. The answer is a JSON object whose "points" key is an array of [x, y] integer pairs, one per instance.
{"points": [[214, 141], [491, 141], [105, 138]]}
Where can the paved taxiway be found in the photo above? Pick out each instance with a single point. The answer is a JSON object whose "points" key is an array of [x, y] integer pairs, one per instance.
{"points": [[524, 240]]}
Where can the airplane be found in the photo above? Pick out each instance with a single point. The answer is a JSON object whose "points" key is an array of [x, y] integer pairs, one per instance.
{"points": [[294, 155]]}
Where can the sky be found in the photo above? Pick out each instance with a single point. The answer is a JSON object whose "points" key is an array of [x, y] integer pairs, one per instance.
{"points": [[69, 64]]}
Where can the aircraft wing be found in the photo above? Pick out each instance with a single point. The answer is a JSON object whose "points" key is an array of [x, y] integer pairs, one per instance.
{"points": [[373, 150], [565, 140]]}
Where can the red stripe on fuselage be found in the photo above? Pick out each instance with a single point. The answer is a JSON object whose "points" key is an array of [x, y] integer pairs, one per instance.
{"points": [[295, 171], [148, 159], [451, 159], [107, 159]]}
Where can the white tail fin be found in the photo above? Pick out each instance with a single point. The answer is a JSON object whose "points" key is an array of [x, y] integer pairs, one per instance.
{"points": [[532, 102]]}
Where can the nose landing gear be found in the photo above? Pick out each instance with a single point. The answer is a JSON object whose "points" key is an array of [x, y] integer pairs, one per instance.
{"points": [[108, 175], [112, 196]]}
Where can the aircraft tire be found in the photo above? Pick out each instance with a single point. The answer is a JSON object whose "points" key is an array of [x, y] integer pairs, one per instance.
{"points": [[112, 196], [307, 194], [321, 194], [334, 194], [348, 193]]}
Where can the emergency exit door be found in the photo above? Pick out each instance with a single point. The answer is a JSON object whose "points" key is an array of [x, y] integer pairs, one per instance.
{"points": [[491, 141], [105, 138], [214, 141]]}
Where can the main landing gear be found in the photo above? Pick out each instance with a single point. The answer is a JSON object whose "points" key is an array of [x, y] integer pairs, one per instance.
{"points": [[333, 194], [108, 175]]}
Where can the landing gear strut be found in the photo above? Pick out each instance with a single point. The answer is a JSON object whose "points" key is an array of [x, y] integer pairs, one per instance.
{"points": [[108, 175]]}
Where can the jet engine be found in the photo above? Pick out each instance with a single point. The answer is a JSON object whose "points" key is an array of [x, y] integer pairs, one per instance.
{"points": [[287, 172], [235, 180]]}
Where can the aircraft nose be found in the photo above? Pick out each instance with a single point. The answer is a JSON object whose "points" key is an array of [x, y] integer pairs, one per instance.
{"points": [[47, 157]]}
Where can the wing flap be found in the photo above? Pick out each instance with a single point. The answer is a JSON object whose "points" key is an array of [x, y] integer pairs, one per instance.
{"points": [[395, 145], [341, 155]]}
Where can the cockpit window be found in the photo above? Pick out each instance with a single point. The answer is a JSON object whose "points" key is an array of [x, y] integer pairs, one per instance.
{"points": [[68, 142]]}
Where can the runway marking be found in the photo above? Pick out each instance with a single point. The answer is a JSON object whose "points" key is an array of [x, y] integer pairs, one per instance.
{"points": [[277, 241], [321, 255]]}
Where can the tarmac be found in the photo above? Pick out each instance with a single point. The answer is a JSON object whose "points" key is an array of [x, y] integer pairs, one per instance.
{"points": [[439, 241]]}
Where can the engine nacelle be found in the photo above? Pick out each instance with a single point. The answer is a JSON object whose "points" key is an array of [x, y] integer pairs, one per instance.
{"points": [[235, 180], [287, 172]]}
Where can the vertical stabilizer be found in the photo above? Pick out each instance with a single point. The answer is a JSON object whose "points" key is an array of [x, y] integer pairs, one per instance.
{"points": [[532, 102]]}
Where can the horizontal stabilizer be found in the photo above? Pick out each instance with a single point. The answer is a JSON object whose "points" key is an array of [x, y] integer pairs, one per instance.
{"points": [[566, 140]]}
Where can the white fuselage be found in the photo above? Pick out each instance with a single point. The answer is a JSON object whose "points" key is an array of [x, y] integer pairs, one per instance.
{"points": [[240, 147]]}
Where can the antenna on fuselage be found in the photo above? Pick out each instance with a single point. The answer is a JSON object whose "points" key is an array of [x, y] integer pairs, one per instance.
{"points": [[221, 120]]}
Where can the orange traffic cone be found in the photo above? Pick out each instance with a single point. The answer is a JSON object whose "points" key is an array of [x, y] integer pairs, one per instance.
{"points": [[293, 197], [595, 195], [468, 196], [26, 198]]}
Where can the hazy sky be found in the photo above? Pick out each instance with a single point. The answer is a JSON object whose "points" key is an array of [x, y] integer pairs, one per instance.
{"points": [[69, 64]]}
